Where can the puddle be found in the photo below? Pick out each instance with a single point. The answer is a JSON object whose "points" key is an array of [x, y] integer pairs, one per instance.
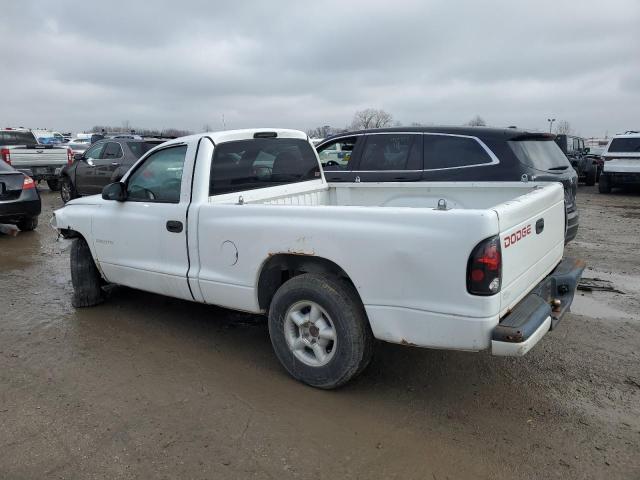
{"points": [[597, 306], [609, 305]]}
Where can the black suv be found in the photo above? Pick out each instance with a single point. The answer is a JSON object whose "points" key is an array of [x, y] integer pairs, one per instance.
{"points": [[445, 154], [104, 162], [585, 166]]}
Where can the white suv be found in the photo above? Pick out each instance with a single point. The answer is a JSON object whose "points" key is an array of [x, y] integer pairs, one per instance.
{"points": [[621, 162]]}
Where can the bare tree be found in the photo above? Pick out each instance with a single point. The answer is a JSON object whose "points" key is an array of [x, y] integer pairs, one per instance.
{"points": [[477, 121], [206, 127], [321, 132], [371, 118], [563, 128]]}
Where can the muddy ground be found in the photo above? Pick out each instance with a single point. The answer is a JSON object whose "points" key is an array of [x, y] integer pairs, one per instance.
{"points": [[149, 387]]}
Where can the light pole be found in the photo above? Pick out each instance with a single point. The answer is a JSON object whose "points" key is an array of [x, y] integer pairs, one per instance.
{"points": [[550, 120]]}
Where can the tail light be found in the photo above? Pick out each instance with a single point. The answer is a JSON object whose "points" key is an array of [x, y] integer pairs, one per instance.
{"points": [[28, 183], [69, 156], [5, 154], [484, 270]]}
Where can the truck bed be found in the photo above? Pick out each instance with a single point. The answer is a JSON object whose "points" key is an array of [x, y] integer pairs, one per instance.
{"points": [[412, 219], [458, 195]]}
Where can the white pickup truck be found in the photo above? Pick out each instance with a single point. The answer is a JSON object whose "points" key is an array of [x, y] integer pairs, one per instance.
{"points": [[244, 219], [20, 149]]}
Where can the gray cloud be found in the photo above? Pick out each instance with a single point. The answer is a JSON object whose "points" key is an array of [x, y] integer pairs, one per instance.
{"points": [[297, 64]]}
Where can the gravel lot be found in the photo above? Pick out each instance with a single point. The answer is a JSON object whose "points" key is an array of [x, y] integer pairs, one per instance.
{"points": [[149, 387]]}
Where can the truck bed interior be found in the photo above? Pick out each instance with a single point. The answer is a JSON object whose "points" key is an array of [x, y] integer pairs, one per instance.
{"points": [[415, 194]]}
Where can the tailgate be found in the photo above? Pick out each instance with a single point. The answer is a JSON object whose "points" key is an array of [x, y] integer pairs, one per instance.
{"points": [[532, 240], [38, 155]]}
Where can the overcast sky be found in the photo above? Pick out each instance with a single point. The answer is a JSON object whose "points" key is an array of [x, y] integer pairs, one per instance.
{"points": [[69, 65]]}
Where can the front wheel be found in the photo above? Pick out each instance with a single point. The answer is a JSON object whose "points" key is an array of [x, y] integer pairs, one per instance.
{"points": [[319, 330], [85, 277], [604, 185], [67, 190], [54, 185]]}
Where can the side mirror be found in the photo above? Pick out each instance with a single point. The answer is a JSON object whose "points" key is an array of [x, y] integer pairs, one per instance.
{"points": [[587, 150], [115, 191], [78, 156]]}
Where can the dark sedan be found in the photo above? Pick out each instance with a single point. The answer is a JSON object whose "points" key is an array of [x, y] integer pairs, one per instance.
{"points": [[19, 199], [102, 163]]}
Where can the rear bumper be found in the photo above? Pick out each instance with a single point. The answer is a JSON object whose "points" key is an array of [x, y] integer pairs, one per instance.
{"points": [[535, 315], [623, 178], [16, 210], [42, 172]]}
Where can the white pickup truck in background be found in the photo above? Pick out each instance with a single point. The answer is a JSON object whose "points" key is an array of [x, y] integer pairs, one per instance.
{"points": [[244, 219], [20, 149]]}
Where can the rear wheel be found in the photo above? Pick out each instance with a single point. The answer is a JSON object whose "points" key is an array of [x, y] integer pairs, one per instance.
{"points": [[54, 185], [28, 224], [67, 190], [319, 330], [85, 277], [591, 177], [604, 185]]}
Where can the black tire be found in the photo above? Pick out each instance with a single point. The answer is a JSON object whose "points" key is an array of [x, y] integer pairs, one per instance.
{"points": [[604, 185], [67, 189], [354, 339], [54, 185], [85, 277], [591, 177], [28, 224]]}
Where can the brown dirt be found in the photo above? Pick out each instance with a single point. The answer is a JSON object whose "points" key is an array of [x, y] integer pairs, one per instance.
{"points": [[149, 387]]}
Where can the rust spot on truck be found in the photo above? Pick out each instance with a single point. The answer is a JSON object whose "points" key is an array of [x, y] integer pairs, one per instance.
{"points": [[406, 343]]}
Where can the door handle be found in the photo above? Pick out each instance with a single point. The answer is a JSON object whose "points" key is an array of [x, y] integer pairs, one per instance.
{"points": [[540, 225], [174, 226], [114, 164]]}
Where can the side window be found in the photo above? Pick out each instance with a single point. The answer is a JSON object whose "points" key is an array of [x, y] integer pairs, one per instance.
{"points": [[337, 154], [391, 152], [112, 150], [261, 162], [159, 178], [95, 152], [448, 151]]}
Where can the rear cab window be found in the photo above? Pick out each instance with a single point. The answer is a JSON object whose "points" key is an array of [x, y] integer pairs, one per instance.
{"points": [[261, 162], [454, 151], [12, 137]]}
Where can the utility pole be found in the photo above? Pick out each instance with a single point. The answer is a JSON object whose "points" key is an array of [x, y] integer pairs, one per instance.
{"points": [[550, 120], [224, 125]]}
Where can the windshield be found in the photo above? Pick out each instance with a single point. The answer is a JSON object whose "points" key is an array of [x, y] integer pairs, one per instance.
{"points": [[12, 137], [542, 155], [620, 145]]}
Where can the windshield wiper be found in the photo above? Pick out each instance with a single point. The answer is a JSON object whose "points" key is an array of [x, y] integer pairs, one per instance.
{"points": [[559, 168]]}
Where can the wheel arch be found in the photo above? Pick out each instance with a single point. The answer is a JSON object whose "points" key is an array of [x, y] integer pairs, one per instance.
{"points": [[279, 268]]}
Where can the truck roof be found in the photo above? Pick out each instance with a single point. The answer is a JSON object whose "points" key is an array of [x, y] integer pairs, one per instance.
{"points": [[244, 134]]}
